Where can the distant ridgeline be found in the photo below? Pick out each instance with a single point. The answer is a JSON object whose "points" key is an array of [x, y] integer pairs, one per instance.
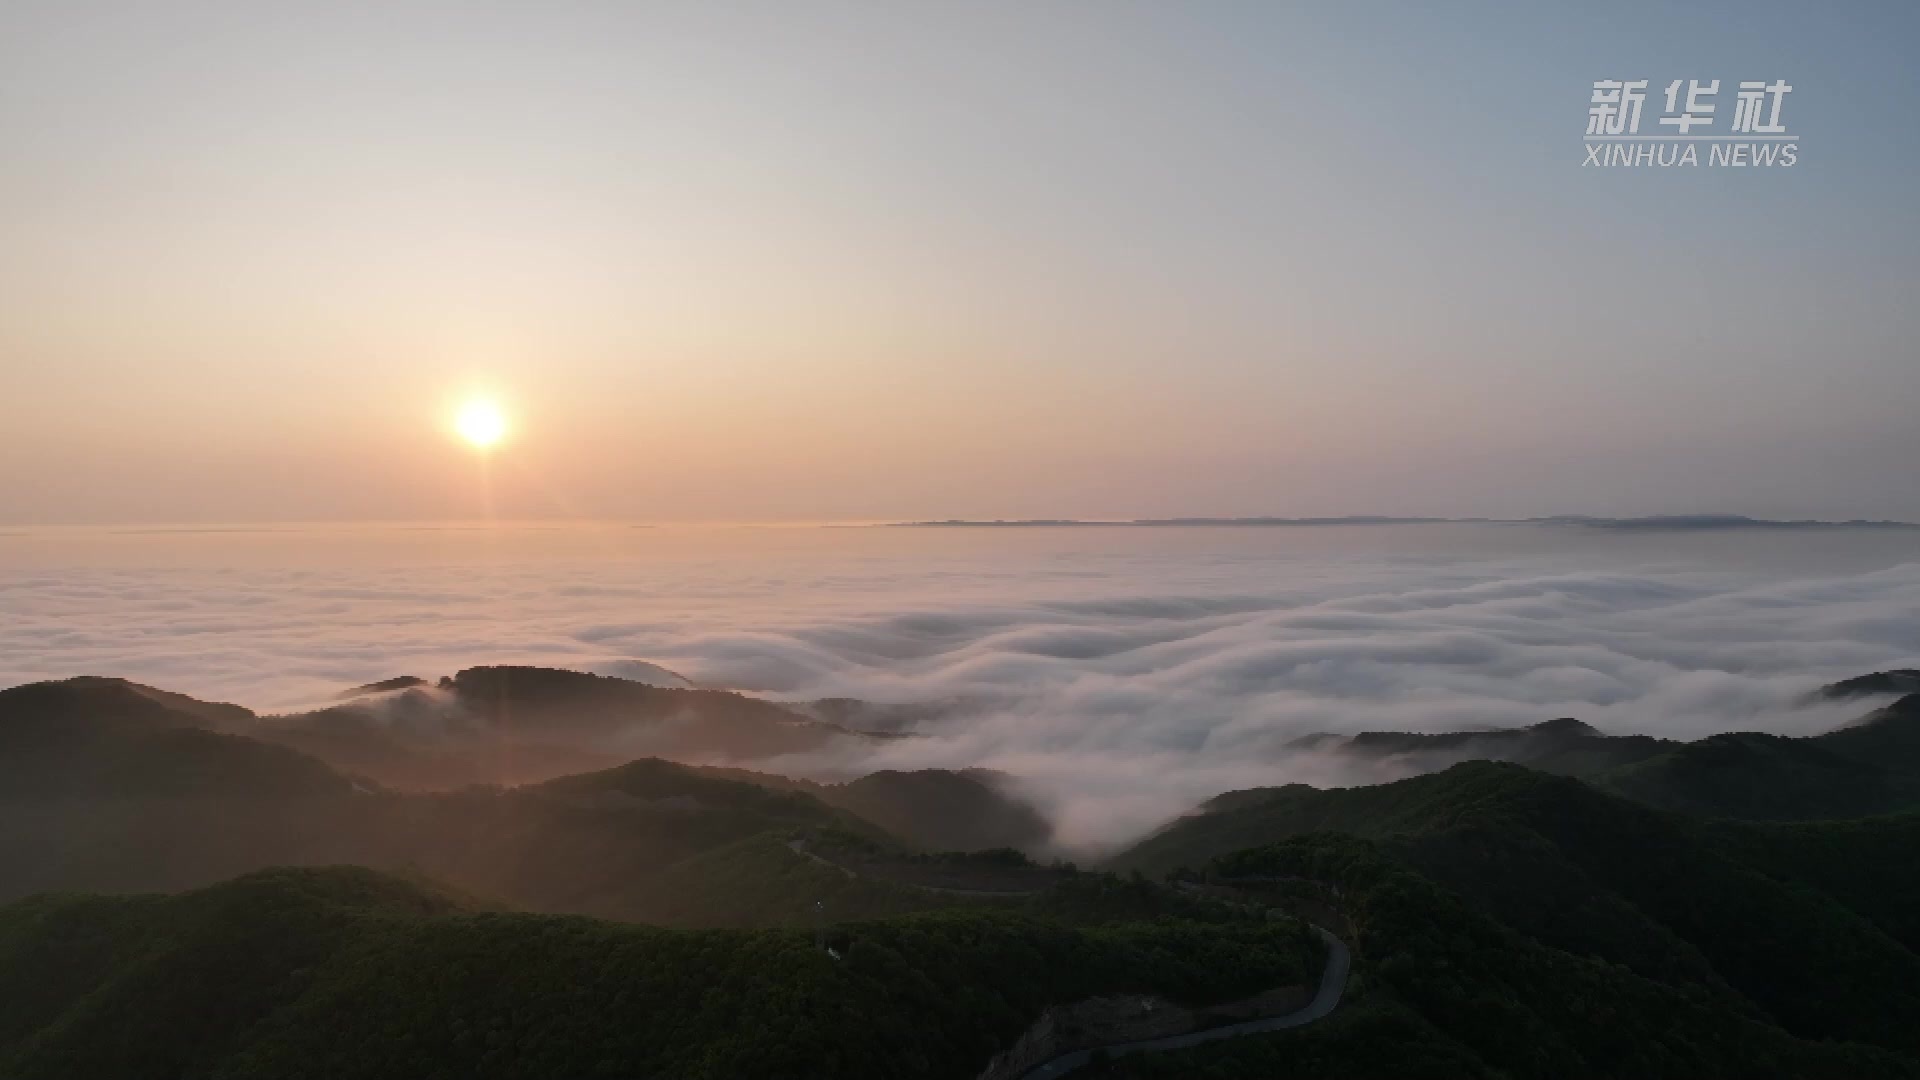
{"points": [[134, 788], [1663, 521], [1543, 902]]}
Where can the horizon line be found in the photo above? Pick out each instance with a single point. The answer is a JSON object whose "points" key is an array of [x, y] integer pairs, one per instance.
{"points": [[1695, 519]]}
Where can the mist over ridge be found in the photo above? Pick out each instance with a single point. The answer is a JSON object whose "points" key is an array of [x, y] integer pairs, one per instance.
{"points": [[1122, 675]]}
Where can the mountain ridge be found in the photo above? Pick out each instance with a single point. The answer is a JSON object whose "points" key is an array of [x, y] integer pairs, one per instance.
{"points": [[1504, 921], [1655, 521]]}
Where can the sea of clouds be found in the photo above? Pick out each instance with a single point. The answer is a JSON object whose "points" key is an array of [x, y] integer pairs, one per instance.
{"points": [[1123, 675]]}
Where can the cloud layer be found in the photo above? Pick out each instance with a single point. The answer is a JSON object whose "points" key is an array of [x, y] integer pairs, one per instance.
{"points": [[1124, 676]]}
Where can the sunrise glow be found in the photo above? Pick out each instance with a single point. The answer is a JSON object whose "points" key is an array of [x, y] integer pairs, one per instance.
{"points": [[481, 423]]}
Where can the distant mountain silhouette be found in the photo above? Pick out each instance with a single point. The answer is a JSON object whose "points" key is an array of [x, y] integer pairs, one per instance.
{"points": [[941, 810], [1563, 746], [1900, 681], [515, 725], [90, 738], [1869, 767], [384, 686], [1730, 521], [107, 784], [873, 717], [1662, 521]]}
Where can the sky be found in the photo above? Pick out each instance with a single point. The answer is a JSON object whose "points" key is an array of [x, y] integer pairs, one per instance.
{"points": [[727, 262]]}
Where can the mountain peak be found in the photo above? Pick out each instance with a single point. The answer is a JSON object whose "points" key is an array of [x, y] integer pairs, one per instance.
{"points": [[1564, 725], [1893, 681], [89, 701], [384, 686]]}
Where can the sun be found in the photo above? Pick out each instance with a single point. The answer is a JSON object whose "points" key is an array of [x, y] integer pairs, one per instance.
{"points": [[481, 423]]}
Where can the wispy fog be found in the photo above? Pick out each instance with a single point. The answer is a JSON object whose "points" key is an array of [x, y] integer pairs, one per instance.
{"points": [[1123, 674]]}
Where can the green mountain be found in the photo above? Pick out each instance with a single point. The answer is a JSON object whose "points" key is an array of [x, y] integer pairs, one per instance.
{"points": [[92, 739], [1900, 681], [1446, 989], [1708, 909], [484, 725], [926, 809], [49, 713], [940, 810], [1870, 767], [341, 973], [1640, 908], [517, 725], [1564, 746], [502, 725], [106, 785]]}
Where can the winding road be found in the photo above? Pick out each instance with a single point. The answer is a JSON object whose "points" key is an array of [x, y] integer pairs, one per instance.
{"points": [[1333, 981]]}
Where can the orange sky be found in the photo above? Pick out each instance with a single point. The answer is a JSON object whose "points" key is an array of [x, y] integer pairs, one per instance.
{"points": [[746, 263]]}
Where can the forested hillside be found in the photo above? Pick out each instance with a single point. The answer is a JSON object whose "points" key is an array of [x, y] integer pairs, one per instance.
{"points": [[342, 973], [1774, 920], [1868, 767], [1504, 921], [1444, 989], [109, 786]]}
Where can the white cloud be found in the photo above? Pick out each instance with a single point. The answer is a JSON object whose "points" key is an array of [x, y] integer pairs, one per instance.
{"points": [[1126, 676]]}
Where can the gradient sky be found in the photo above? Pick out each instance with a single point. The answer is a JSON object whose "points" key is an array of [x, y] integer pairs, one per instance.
{"points": [[826, 261]]}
